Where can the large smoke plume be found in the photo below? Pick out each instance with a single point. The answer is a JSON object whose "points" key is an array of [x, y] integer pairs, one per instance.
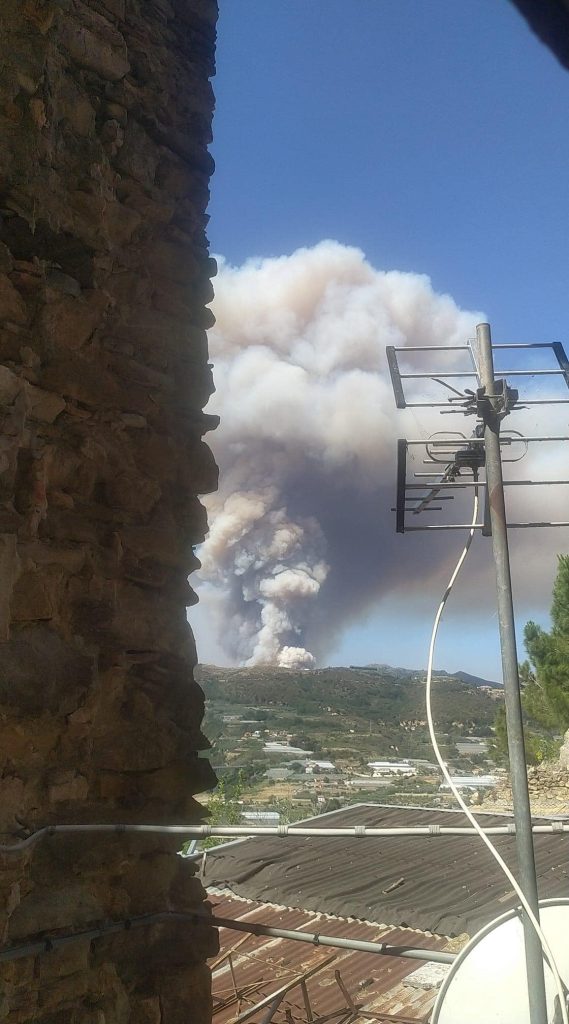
{"points": [[301, 539]]}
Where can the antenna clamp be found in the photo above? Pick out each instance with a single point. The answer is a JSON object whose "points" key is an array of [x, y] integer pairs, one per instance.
{"points": [[493, 408]]}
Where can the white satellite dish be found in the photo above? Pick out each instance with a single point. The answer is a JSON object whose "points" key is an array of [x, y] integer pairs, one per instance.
{"points": [[487, 981]]}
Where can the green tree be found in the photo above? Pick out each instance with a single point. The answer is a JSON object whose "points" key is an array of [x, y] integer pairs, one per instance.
{"points": [[498, 745], [544, 680], [539, 746], [223, 808], [548, 691]]}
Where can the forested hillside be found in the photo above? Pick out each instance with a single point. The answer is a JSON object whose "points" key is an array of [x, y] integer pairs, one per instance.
{"points": [[377, 695]]}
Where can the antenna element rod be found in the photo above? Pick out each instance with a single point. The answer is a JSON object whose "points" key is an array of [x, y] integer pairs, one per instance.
{"points": [[516, 748]]}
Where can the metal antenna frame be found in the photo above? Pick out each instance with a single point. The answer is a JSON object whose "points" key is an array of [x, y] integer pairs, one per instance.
{"points": [[441, 481], [441, 376], [458, 456], [492, 401]]}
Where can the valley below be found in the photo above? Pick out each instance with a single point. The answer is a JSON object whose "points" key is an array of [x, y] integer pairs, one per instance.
{"points": [[289, 743]]}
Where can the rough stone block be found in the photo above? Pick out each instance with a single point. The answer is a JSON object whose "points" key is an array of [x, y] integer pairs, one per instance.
{"points": [[44, 406], [12, 306], [138, 157], [10, 386], [39, 671], [95, 46], [104, 278], [66, 786], [9, 572], [35, 597], [145, 1010], [69, 321], [42, 911]]}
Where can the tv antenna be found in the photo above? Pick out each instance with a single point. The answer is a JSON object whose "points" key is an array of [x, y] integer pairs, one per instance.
{"points": [[457, 462]]}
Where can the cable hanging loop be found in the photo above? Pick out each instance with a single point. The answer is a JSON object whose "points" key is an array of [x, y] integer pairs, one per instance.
{"points": [[547, 953]]}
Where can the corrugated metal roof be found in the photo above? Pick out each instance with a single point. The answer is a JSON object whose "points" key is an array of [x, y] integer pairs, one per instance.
{"points": [[384, 988], [447, 884]]}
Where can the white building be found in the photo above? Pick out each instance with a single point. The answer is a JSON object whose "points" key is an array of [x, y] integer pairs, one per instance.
{"points": [[275, 747], [472, 745], [379, 768], [261, 817], [471, 782], [314, 767]]}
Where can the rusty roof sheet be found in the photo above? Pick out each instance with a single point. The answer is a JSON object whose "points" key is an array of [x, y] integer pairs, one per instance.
{"points": [[444, 884], [383, 988]]}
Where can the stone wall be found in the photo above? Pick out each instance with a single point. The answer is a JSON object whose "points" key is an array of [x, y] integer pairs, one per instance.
{"points": [[105, 118], [548, 785]]}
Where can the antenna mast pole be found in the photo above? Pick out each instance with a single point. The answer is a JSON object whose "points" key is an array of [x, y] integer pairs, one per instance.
{"points": [[514, 722]]}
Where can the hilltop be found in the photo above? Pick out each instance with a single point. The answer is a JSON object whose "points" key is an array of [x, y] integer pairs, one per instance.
{"points": [[379, 693], [464, 677]]}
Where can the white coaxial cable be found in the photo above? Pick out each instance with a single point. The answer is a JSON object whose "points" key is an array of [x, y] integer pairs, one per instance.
{"points": [[548, 955]]}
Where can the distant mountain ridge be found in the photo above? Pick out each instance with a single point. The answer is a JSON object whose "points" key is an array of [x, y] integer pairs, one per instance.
{"points": [[465, 677], [368, 693], [475, 680]]}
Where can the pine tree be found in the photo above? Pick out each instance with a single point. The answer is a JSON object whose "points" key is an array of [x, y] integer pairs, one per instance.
{"points": [[544, 680], [546, 695]]}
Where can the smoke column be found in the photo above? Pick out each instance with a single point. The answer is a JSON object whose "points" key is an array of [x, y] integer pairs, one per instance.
{"points": [[301, 535]]}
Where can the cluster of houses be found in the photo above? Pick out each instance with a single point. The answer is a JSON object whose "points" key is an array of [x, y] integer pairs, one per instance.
{"points": [[409, 768], [378, 770], [379, 773]]}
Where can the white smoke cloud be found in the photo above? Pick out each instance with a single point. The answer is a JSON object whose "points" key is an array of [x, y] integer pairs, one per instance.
{"points": [[301, 535]]}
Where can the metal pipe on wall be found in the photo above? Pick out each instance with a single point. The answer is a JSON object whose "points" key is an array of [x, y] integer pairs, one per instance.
{"points": [[49, 945], [281, 831]]}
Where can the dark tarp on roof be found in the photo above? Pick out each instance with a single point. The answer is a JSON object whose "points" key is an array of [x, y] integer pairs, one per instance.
{"points": [[451, 884]]}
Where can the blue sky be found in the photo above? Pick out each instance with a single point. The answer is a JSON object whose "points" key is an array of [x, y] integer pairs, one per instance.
{"points": [[429, 133]]}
